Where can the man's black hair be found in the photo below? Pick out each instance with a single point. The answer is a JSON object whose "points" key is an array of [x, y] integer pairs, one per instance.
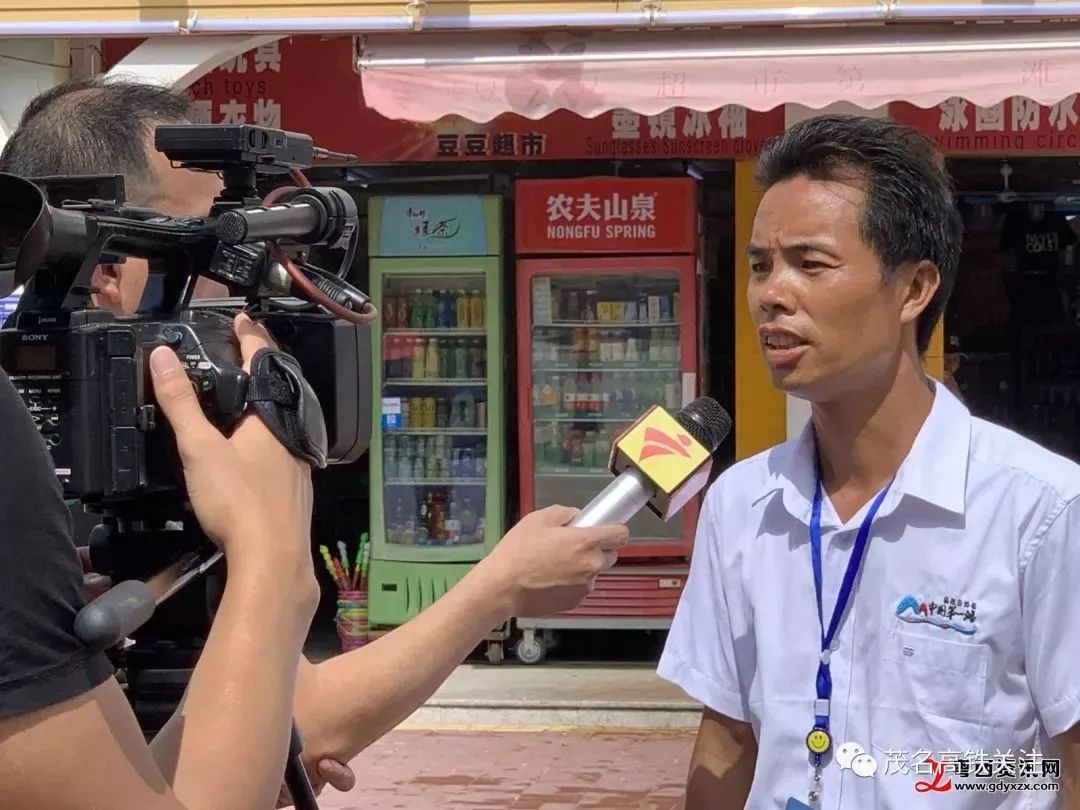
{"points": [[910, 213], [94, 126]]}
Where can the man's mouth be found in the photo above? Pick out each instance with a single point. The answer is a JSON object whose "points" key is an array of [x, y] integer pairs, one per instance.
{"points": [[782, 341]]}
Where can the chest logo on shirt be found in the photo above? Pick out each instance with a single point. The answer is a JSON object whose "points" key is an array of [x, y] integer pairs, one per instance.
{"points": [[949, 613]]}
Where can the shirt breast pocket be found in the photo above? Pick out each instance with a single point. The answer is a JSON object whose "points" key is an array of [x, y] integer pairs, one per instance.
{"points": [[940, 681]]}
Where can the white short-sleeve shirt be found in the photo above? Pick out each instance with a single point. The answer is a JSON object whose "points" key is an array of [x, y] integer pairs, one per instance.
{"points": [[961, 639]]}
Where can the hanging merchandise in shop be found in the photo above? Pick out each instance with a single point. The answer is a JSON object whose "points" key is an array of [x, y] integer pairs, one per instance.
{"points": [[308, 84]]}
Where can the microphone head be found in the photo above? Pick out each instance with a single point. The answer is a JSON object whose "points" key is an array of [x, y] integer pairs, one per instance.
{"points": [[706, 420]]}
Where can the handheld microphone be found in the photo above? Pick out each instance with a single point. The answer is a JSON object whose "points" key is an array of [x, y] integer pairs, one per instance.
{"points": [[314, 215], [661, 461]]}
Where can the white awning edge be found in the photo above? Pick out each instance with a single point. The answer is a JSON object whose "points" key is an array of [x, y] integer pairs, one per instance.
{"points": [[176, 63], [424, 78]]}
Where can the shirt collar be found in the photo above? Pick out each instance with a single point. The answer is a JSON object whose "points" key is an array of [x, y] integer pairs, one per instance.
{"points": [[935, 470]]}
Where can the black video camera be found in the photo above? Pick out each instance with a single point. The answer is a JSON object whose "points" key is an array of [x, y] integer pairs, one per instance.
{"points": [[83, 372]]}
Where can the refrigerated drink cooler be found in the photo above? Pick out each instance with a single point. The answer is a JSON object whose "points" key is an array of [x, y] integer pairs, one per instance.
{"points": [[437, 455], [605, 330]]}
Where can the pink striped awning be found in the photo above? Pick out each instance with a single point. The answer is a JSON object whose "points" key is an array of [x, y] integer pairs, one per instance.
{"points": [[419, 77]]}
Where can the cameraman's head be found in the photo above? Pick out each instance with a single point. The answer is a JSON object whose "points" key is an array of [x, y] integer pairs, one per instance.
{"points": [[106, 126]]}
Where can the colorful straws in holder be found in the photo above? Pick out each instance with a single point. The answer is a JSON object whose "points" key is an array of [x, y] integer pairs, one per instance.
{"points": [[352, 615]]}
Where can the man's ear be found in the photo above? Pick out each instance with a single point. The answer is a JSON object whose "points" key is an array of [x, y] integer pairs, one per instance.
{"points": [[920, 284], [105, 281]]}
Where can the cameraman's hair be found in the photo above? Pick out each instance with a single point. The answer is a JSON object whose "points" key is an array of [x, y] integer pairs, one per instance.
{"points": [[95, 126]]}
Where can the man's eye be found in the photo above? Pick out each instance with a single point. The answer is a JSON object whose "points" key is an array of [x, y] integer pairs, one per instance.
{"points": [[808, 264], [759, 267]]}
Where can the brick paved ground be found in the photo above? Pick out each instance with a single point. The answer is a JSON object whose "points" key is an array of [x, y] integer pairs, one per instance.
{"points": [[519, 770]]}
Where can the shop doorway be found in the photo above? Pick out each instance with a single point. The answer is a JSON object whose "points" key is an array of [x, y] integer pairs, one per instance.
{"points": [[1012, 328]]}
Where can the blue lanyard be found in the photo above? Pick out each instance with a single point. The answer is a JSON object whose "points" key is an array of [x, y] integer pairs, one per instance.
{"points": [[818, 741]]}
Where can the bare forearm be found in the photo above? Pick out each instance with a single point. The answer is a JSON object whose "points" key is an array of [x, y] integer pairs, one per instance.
{"points": [[238, 706], [346, 703], [721, 766]]}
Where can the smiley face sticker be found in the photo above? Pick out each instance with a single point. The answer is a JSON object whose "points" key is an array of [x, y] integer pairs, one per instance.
{"points": [[818, 741]]}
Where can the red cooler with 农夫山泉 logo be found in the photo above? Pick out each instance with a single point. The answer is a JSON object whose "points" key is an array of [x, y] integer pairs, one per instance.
{"points": [[607, 316]]}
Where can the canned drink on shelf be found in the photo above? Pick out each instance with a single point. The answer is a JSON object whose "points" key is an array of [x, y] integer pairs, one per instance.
{"points": [[389, 312], [429, 412], [481, 413], [402, 319], [665, 307], [442, 413]]}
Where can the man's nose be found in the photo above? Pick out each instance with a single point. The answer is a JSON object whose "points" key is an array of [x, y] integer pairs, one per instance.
{"points": [[775, 291]]}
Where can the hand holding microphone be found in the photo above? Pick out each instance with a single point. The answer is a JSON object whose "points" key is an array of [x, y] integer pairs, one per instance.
{"points": [[549, 561], [661, 462]]}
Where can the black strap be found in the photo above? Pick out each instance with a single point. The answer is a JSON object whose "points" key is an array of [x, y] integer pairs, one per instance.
{"points": [[287, 405]]}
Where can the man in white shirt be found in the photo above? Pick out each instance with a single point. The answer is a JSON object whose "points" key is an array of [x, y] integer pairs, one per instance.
{"points": [[899, 630]]}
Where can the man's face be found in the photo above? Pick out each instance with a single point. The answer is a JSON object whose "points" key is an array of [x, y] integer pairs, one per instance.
{"points": [[181, 192], [827, 320]]}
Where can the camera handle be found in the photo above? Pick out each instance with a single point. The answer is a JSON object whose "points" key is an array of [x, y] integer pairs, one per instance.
{"points": [[122, 609]]}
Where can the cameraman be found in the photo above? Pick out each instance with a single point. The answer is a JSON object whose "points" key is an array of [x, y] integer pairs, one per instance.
{"points": [[68, 738], [342, 705]]}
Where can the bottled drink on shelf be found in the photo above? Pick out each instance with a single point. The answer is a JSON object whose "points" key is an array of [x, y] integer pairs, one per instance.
{"points": [[418, 358], [391, 451], [672, 396], [423, 520], [453, 523], [569, 394], [594, 345], [416, 310], [476, 310], [572, 310], [477, 359], [431, 364], [442, 314], [402, 320], [438, 517], [461, 305], [470, 518]]}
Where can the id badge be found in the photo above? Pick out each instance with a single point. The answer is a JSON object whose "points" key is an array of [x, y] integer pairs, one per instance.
{"points": [[795, 804]]}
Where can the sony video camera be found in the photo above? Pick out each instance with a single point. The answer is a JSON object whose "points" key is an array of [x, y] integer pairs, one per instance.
{"points": [[83, 372]]}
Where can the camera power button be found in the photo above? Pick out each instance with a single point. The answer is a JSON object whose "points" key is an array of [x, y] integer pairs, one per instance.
{"points": [[172, 337]]}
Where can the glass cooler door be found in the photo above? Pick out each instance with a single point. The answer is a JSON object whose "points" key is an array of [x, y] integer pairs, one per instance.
{"points": [[435, 399], [604, 349]]}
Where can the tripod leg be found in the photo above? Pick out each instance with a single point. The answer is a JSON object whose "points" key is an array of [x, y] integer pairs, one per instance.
{"points": [[296, 778]]}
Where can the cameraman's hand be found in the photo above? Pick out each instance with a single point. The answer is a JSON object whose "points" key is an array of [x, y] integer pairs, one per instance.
{"points": [[546, 566], [251, 496], [327, 772]]}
